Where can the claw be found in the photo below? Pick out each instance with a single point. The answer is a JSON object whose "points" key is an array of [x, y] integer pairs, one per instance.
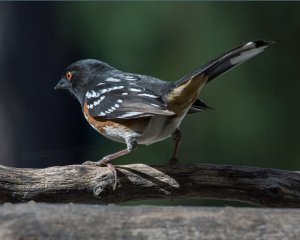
{"points": [[103, 163], [131, 145], [114, 172], [174, 162], [90, 163]]}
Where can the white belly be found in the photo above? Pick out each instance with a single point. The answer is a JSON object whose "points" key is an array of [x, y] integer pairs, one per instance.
{"points": [[159, 128]]}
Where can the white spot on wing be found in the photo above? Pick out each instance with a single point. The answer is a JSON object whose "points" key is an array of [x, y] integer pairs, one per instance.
{"points": [[125, 93], [148, 95], [135, 90], [111, 89], [120, 101], [117, 105], [96, 102], [111, 79], [249, 43], [130, 78], [92, 94], [155, 105], [115, 88], [100, 84], [130, 114]]}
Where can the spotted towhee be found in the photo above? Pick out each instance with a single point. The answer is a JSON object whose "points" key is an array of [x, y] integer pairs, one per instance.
{"points": [[138, 109]]}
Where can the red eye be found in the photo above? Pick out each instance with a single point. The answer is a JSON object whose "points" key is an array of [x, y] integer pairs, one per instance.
{"points": [[69, 75]]}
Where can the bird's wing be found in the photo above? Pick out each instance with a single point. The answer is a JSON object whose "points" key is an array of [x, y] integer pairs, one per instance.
{"points": [[123, 96]]}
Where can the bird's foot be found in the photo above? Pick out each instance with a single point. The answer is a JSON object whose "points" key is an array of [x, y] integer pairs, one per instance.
{"points": [[103, 163], [90, 163], [114, 172], [174, 162]]}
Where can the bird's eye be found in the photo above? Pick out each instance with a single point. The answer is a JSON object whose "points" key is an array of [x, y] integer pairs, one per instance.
{"points": [[69, 75]]}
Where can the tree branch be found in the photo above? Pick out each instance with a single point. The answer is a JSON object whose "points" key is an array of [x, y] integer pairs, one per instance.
{"points": [[88, 184]]}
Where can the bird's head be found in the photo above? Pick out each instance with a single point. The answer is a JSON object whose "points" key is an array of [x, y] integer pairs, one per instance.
{"points": [[79, 76]]}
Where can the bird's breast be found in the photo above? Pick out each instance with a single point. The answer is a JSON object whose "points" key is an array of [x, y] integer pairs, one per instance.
{"points": [[117, 129]]}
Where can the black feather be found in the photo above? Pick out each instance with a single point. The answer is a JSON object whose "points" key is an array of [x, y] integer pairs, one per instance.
{"points": [[227, 61], [198, 106]]}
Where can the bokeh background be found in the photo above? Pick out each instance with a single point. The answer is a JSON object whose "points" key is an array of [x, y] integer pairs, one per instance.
{"points": [[256, 117]]}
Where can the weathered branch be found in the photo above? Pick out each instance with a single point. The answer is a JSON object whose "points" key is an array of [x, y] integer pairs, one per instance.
{"points": [[88, 184], [93, 222]]}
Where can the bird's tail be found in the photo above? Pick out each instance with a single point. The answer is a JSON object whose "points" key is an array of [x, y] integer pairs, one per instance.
{"points": [[228, 60], [192, 83]]}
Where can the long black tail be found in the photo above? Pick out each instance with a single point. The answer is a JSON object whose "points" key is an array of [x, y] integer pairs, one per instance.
{"points": [[227, 61]]}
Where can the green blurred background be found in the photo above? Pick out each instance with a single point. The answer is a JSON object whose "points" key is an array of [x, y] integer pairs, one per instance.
{"points": [[256, 116]]}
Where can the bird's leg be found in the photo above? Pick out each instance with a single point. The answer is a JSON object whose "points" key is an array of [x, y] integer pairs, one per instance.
{"points": [[176, 135], [105, 161]]}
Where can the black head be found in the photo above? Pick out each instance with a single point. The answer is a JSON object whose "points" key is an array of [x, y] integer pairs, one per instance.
{"points": [[78, 76]]}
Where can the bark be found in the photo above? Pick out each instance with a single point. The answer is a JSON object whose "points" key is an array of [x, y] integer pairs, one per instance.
{"points": [[90, 184]]}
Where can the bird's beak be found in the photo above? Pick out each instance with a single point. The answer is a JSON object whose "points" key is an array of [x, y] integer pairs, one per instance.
{"points": [[63, 84]]}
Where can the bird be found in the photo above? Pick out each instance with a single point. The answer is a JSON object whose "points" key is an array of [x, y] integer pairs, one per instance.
{"points": [[138, 109]]}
